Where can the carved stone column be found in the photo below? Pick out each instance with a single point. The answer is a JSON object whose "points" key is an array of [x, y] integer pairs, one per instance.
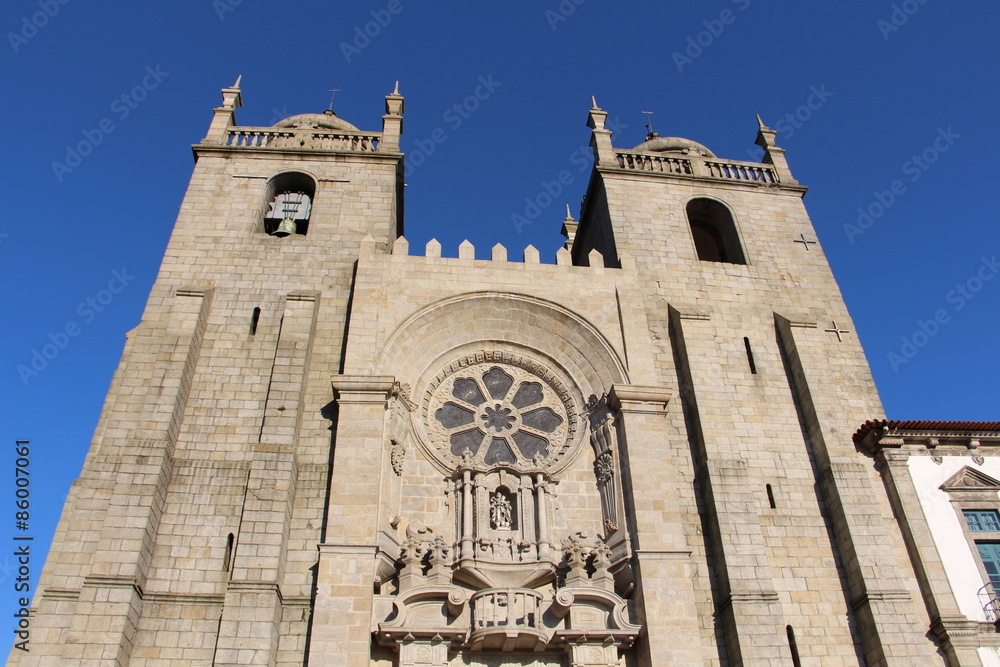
{"points": [[468, 548], [544, 539]]}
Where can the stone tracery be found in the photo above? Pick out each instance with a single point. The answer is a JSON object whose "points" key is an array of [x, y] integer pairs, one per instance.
{"points": [[503, 409]]}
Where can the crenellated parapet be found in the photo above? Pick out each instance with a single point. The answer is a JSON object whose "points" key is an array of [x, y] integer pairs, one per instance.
{"points": [[498, 254]]}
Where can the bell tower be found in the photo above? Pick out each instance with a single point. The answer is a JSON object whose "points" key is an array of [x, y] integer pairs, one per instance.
{"points": [[749, 327], [199, 490]]}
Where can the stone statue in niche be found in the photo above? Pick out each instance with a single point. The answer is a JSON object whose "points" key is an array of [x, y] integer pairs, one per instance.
{"points": [[500, 511]]}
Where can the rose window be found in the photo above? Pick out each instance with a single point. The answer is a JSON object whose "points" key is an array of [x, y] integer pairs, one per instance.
{"points": [[499, 414]]}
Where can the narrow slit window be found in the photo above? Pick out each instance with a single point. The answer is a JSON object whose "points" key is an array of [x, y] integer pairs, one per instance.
{"points": [[254, 319], [753, 366], [770, 496], [227, 559], [792, 646]]}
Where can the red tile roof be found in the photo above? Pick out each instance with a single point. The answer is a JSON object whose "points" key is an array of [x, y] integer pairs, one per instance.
{"points": [[923, 425]]}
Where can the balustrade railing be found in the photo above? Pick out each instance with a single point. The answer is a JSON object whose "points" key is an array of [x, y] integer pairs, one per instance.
{"points": [[990, 602], [656, 163], [741, 171], [252, 138], [697, 166], [506, 608], [257, 137]]}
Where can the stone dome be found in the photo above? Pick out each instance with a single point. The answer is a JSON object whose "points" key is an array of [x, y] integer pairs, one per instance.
{"points": [[323, 121], [658, 144]]}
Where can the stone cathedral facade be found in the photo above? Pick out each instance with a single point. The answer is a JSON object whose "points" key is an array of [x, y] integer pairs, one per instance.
{"points": [[324, 447]]}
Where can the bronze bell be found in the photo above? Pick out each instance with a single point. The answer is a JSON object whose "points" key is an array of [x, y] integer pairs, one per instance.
{"points": [[286, 227]]}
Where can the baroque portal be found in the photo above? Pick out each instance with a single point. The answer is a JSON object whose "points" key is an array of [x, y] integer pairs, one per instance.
{"points": [[503, 427]]}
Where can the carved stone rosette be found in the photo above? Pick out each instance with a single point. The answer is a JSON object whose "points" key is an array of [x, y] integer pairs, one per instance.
{"points": [[504, 409]]}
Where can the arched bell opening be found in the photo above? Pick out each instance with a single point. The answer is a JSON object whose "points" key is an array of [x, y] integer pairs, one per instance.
{"points": [[288, 199], [714, 232]]}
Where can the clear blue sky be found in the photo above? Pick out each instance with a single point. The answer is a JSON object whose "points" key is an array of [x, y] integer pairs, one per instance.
{"points": [[885, 84]]}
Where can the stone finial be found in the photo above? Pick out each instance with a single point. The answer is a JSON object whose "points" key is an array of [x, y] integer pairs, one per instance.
{"points": [[578, 549], [433, 249], [597, 118], [569, 228], [466, 250], [531, 255], [394, 102], [438, 556], [225, 116], [595, 258], [773, 155], [563, 257], [499, 253], [392, 121], [401, 246], [600, 141], [232, 98], [602, 563]]}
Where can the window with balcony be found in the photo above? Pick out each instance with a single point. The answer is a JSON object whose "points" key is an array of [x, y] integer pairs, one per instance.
{"points": [[974, 495]]}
